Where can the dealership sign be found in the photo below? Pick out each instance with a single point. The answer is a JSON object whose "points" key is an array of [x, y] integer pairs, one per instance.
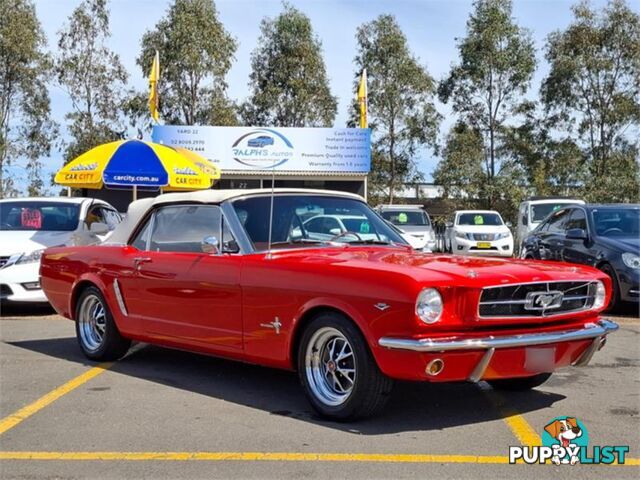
{"points": [[256, 148]]}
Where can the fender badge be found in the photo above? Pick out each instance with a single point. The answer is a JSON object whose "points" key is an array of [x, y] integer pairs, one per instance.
{"points": [[275, 325], [382, 306]]}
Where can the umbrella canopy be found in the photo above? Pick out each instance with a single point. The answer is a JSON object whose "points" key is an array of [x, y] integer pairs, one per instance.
{"points": [[135, 163]]}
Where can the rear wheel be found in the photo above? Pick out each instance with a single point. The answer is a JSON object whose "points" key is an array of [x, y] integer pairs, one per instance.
{"points": [[338, 373], [520, 384], [97, 333]]}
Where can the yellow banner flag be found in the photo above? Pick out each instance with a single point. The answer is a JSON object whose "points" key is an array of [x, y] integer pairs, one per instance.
{"points": [[362, 99], [153, 86]]}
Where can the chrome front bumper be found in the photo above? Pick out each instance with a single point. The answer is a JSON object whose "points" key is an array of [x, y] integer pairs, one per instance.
{"points": [[596, 331]]}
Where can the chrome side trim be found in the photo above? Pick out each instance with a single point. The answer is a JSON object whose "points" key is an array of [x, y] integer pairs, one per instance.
{"points": [[119, 299], [592, 330], [482, 365]]}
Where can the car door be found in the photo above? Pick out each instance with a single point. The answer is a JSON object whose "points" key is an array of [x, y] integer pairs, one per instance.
{"points": [[551, 241], [577, 250], [177, 291]]}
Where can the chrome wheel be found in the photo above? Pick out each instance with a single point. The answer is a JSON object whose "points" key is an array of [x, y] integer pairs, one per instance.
{"points": [[92, 323], [330, 366]]}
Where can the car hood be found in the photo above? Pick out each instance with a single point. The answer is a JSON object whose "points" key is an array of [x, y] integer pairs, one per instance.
{"points": [[482, 228], [442, 269], [625, 244], [415, 229], [12, 242]]}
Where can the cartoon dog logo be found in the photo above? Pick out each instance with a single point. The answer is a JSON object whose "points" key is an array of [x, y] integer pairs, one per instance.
{"points": [[565, 432]]}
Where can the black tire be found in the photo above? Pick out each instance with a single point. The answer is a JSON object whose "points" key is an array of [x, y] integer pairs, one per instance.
{"points": [[615, 287], [520, 384], [370, 388], [110, 345]]}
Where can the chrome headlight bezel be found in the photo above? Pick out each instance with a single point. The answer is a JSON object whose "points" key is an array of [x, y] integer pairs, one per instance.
{"points": [[429, 306], [631, 260], [600, 295]]}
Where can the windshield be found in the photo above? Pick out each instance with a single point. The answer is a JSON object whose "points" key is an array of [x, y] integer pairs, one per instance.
{"points": [[617, 222], [476, 218], [39, 216], [540, 211], [406, 217], [305, 219]]}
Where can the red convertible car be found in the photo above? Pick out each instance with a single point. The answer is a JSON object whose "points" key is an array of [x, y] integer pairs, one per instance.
{"points": [[245, 274]]}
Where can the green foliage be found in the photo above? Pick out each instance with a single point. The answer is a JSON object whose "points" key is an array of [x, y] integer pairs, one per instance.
{"points": [[25, 127], [593, 93], [402, 114], [196, 53], [486, 88], [93, 77], [288, 79]]}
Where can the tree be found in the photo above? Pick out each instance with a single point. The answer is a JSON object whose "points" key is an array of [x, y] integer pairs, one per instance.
{"points": [[26, 130], [593, 92], [497, 64], [402, 114], [288, 78], [93, 77], [196, 53]]}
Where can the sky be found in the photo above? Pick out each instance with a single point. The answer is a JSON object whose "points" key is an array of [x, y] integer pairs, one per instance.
{"points": [[431, 28]]}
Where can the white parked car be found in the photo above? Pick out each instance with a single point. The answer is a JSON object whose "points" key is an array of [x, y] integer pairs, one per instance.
{"points": [[413, 221], [29, 225], [478, 232], [534, 210]]}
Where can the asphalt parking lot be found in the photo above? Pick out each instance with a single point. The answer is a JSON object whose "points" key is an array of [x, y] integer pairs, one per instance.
{"points": [[160, 413]]}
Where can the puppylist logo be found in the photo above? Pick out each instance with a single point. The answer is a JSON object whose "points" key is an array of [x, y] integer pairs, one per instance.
{"points": [[565, 442], [262, 148]]}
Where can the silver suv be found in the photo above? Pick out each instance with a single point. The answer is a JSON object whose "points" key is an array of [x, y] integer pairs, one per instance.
{"points": [[412, 220]]}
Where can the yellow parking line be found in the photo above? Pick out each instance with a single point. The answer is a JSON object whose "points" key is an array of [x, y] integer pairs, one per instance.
{"points": [[15, 418], [266, 456], [523, 431]]}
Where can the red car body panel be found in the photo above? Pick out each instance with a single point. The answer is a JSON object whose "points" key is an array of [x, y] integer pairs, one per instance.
{"points": [[223, 304]]}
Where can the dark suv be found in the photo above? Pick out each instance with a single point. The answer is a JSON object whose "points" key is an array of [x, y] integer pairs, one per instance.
{"points": [[604, 236]]}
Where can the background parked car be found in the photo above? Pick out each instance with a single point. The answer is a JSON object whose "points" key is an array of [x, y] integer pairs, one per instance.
{"points": [[29, 225], [604, 236], [534, 210], [478, 232], [410, 219]]}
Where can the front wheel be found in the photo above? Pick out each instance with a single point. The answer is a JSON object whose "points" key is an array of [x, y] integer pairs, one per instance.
{"points": [[520, 384], [97, 333], [338, 373]]}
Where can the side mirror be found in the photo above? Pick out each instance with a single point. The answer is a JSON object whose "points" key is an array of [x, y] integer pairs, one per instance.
{"points": [[210, 245], [99, 228], [577, 234], [335, 231], [449, 224], [509, 224], [230, 247], [524, 220]]}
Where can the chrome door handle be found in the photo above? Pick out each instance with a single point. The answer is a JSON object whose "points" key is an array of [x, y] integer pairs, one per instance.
{"points": [[138, 261]]}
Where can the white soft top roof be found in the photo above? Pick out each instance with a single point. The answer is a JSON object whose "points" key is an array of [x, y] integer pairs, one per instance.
{"points": [[138, 208]]}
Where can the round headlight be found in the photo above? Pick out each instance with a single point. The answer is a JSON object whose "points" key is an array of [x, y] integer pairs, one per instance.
{"points": [[600, 296], [429, 305]]}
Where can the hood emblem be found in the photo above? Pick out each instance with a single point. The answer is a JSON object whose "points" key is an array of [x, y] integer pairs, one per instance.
{"points": [[382, 306]]}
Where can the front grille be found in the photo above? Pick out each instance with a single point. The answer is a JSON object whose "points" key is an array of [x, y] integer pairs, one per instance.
{"points": [[484, 236], [3, 261], [536, 299], [5, 290]]}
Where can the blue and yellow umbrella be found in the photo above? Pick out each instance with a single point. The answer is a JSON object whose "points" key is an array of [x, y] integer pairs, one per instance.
{"points": [[136, 163]]}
